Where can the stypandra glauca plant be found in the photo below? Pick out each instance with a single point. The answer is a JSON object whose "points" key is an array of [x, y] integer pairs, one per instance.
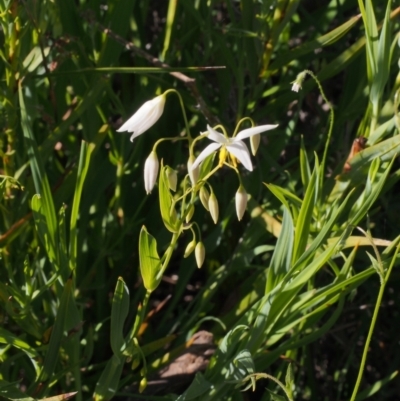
{"points": [[315, 234], [177, 206]]}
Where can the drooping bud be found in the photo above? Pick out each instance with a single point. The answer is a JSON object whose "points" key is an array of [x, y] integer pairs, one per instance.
{"points": [[297, 84], [142, 385], [204, 196], [213, 207], [190, 213], [172, 178], [190, 248], [193, 173], [151, 171], [255, 143], [241, 198], [200, 254]]}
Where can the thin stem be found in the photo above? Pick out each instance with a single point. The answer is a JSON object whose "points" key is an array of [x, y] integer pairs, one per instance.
{"points": [[183, 112], [274, 379], [241, 121], [372, 326], [331, 119]]}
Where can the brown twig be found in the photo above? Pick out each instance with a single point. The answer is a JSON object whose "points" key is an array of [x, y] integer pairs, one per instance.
{"points": [[189, 82]]}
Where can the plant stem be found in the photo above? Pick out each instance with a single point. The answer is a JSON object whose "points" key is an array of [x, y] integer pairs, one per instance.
{"points": [[372, 326]]}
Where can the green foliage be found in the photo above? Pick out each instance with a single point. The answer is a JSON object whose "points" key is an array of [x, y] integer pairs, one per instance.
{"points": [[92, 305]]}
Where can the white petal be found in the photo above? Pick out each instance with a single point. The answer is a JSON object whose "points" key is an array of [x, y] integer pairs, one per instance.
{"points": [[145, 117], [240, 151], [216, 136], [246, 133], [205, 153]]}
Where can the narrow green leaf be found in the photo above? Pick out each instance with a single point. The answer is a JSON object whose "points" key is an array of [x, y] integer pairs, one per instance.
{"points": [[84, 160], [324, 40], [42, 186], [119, 312], [150, 263], [57, 333], [282, 256], [108, 382], [303, 222]]}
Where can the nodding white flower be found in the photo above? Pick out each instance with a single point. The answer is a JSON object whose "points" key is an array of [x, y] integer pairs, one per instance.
{"points": [[296, 86], [151, 171], [145, 117], [234, 146]]}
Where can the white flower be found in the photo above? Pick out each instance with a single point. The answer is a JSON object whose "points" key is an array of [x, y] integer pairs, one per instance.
{"points": [[295, 87], [235, 145], [151, 171], [145, 117]]}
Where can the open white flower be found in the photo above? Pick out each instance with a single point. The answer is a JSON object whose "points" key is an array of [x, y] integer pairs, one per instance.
{"points": [[234, 146], [145, 117]]}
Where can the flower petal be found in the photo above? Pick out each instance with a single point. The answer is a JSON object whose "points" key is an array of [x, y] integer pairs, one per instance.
{"points": [[240, 151], [216, 136], [246, 133], [205, 153]]}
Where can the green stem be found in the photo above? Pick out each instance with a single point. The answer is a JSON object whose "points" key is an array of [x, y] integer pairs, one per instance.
{"points": [[274, 379], [372, 326], [183, 111], [331, 120]]}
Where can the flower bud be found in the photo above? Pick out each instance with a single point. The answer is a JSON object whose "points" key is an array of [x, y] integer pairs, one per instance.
{"points": [[200, 254], [190, 213], [297, 84], [193, 173], [142, 385], [255, 143], [213, 207], [204, 196], [151, 171], [241, 202], [172, 178], [190, 248]]}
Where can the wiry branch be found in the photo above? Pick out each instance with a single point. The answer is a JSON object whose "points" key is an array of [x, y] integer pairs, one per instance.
{"points": [[189, 82]]}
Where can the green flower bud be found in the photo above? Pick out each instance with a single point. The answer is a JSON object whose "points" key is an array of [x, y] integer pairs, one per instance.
{"points": [[142, 385], [213, 207], [204, 196], [255, 143], [190, 248], [172, 178], [190, 213]]}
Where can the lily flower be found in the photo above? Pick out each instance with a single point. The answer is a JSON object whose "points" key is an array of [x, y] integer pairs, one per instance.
{"points": [[234, 146], [145, 117]]}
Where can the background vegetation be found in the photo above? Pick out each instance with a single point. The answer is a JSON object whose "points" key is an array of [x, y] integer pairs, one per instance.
{"points": [[295, 283]]}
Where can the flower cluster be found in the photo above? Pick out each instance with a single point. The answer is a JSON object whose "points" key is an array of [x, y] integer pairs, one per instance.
{"points": [[231, 151]]}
